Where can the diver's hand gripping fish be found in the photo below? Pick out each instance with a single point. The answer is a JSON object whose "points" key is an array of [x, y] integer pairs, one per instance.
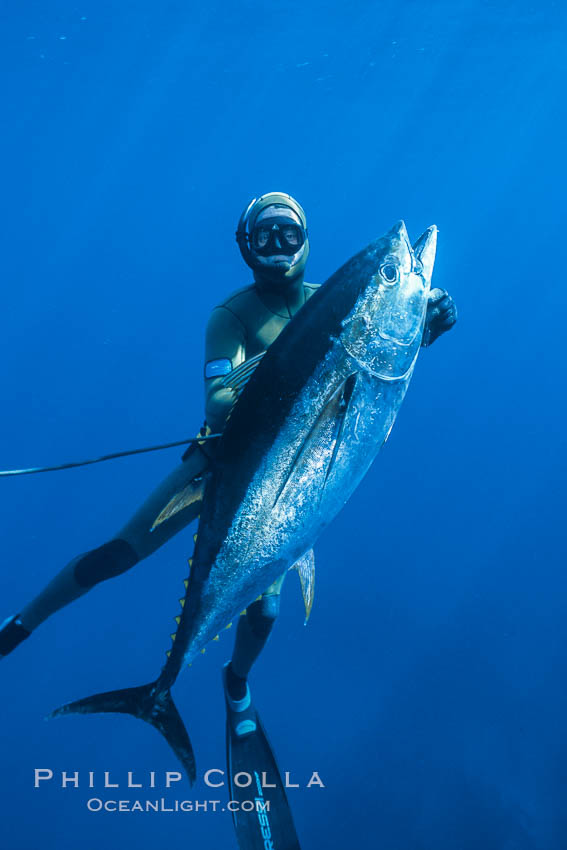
{"points": [[307, 426]]}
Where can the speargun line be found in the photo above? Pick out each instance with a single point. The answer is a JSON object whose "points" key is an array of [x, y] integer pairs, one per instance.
{"points": [[5, 473]]}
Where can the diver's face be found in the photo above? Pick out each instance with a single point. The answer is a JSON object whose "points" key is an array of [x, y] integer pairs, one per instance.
{"points": [[277, 238]]}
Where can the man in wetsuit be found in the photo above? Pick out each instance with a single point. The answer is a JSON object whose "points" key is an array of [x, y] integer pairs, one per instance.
{"points": [[272, 236]]}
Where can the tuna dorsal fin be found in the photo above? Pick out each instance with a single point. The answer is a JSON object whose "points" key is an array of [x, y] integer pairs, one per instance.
{"points": [[239, 377], [306, 570]]}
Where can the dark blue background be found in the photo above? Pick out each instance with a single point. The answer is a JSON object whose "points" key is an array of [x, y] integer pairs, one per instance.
{"points": [[429, 687]]}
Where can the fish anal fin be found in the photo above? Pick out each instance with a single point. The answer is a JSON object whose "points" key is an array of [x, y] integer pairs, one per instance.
{"points": [[306, 571]]}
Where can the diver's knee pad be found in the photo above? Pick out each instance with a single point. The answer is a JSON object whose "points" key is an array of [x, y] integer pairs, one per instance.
{"points": [[107, 561], [262, 615]]}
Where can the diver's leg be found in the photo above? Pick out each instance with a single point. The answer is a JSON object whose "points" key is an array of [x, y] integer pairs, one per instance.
{"points": [[252, 633], [133, 542]]}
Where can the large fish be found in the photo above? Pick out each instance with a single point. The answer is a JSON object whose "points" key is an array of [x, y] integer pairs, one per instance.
{"points": [[308, 424]]}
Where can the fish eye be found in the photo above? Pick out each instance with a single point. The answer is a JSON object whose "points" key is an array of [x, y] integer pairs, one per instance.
{"points": [[389, 272]]}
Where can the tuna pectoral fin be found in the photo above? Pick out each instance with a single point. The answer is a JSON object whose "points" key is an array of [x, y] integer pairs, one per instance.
{"points": [[306, 570], [316, 456], [147, 703]]}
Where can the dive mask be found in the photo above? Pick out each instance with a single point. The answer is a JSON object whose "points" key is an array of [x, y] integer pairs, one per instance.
{"points": [[277, 235]]}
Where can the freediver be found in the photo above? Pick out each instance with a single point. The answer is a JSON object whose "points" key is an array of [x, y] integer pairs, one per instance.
{"points": [[273, 240]]}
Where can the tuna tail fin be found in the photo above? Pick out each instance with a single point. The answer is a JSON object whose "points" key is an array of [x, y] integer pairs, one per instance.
{"points": [[148, 703]]}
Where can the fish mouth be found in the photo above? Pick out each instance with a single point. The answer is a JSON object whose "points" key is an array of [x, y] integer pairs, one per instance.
{"points": [[401, 315], [424, 250], [384, 331], [418, 258], [398, 237]]}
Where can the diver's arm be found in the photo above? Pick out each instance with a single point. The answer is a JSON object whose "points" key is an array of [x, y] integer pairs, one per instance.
{"points": [[225, 349], [441, 316]]}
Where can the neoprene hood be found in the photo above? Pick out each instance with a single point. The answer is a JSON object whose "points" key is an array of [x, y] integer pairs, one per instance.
{"points": [[246, 225]]}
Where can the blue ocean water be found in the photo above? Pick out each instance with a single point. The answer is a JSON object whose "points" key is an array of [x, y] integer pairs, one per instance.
{"points": [[428, 689]]}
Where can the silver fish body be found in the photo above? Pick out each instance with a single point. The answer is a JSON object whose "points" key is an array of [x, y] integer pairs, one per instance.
{"points": [[302, 435], [307, 427]]}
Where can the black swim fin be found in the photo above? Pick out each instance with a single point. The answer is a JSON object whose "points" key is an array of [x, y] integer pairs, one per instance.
{"points": [[266, 825], [12, 633]]}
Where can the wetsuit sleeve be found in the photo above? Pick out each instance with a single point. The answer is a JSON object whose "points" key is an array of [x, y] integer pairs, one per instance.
{"points": [[225, 349]]}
